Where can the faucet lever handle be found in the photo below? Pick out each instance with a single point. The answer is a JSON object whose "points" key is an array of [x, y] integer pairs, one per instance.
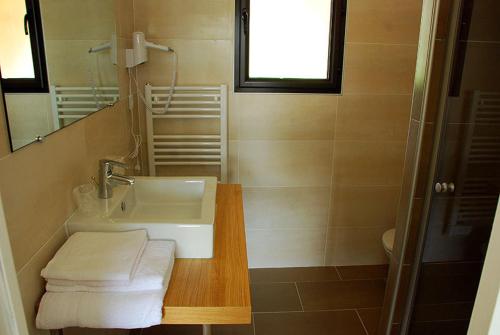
{"points": [[111, 163]]}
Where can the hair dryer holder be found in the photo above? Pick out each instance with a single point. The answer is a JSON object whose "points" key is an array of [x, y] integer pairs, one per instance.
{"points": [[139, 54]]}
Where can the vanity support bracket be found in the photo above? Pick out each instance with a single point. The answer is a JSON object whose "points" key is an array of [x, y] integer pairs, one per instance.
{"points": [[207, 329]]}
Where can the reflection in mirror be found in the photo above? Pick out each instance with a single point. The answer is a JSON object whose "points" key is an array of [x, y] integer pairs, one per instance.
{"points": [[58, 63]]}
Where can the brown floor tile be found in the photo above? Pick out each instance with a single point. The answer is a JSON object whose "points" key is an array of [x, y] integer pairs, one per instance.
{"points": [[309, 323], [232, 330], [342, 294], [363, 272], [370, 318], [173, 330], [283, 275], [275, 297]]}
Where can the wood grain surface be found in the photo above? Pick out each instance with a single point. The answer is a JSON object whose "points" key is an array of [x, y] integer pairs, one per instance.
{"points": [[217, 290]]}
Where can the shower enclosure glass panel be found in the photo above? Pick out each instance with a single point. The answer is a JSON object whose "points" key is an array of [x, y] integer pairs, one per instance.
{"points": [[467, 179]]}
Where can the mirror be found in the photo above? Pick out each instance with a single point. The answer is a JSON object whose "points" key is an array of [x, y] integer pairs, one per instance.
{"points": [[57, 63]]}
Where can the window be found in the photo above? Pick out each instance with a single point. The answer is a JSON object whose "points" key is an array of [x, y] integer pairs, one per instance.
{"points": [[22, 55], [289, 45]]}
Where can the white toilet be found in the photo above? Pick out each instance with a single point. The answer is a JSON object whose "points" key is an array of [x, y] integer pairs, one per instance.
{"points": [[388, 241]]}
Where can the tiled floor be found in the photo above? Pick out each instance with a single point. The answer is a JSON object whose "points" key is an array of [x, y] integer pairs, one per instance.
{"points": [[307, 301]]}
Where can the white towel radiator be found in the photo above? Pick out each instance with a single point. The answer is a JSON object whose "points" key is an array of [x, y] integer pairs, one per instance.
{"points": [[73, 103], [189, 104]]}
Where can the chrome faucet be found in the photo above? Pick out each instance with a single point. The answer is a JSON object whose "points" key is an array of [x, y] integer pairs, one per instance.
{"points": [[106, 176]]}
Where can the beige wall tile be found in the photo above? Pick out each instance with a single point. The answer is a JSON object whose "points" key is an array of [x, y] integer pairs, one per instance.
{"points": [[373, 117], [379, 69], [200, 62], [69, 62], [78, 20], [185, 19], [286, 117], [36, 184], [368, 163], [355, 246], [383, 21], [111, 128], [31, 284], [233, 122], [233, 165], [365, 206], [30, 115], [124, 14], [285, 163], [285, 247], [286, 207]]}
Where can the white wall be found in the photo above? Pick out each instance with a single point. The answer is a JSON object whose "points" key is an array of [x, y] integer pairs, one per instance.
{"points": [[486, 313]]}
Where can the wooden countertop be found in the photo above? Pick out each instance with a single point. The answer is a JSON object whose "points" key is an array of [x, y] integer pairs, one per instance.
{"points": [[217, 290]]}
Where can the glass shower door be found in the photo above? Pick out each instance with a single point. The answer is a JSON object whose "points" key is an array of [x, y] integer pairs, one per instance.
{"points": [[467, 180]]}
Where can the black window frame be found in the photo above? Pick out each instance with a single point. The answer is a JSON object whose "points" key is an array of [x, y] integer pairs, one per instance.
{"points": [[333, 83], [39, 84]]}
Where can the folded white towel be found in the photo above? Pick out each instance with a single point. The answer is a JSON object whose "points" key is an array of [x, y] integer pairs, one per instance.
{"points": [[98, 257], [153, 273], [100, 310]]}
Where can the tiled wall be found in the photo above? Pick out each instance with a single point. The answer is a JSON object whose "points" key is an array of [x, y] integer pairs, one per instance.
{"points": [[71, 28], [30, 115], [36, 182], [321, 173]]}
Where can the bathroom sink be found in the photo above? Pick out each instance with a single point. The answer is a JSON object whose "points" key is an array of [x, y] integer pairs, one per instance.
{"points": [[173, 208], [176, 200]]}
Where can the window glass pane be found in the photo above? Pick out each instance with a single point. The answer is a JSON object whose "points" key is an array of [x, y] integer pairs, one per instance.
{"points": [[16, 60], [289, 39]]}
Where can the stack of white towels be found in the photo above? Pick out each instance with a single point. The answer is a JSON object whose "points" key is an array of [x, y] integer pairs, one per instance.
{"points": [[106, 280]]}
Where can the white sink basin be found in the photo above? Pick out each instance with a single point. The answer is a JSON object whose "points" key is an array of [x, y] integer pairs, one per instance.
{"points": [[173, 208]]}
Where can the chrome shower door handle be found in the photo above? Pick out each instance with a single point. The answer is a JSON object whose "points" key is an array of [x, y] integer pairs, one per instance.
{"points": [[444, 187]]}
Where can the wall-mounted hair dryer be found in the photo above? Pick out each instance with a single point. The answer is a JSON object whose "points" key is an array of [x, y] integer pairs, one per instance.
{"points": [[112, 45], [139, 54]]}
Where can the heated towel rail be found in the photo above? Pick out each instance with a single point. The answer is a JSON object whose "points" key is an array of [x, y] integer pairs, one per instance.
{"points": [[73, 103], [202, 147], [475, 197]]}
